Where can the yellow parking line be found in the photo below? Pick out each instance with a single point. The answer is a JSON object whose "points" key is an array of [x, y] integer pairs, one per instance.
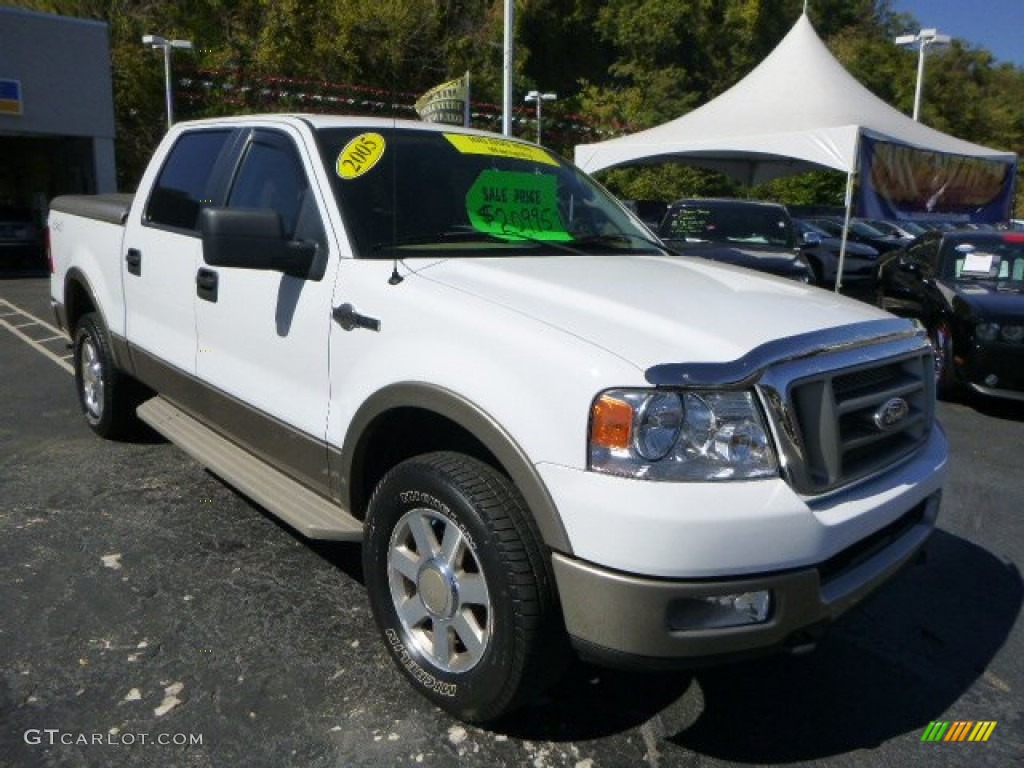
{"points": [[20, 311], [15, 329]]}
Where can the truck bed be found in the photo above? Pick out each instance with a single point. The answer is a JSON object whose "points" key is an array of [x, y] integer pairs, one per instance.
{"points": [[112, 208]]}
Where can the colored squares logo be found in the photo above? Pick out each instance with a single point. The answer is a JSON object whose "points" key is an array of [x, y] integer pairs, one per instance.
{"points": [[959, 730]]}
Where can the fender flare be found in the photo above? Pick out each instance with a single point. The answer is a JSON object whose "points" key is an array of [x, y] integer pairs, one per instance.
{"points": [[478, 423]]}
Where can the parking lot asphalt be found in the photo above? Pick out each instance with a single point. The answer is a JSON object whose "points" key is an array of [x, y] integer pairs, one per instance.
{"points": [[152, 616]]}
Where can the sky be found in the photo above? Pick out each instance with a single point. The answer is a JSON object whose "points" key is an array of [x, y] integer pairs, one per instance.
{"points": [[997, 25]]}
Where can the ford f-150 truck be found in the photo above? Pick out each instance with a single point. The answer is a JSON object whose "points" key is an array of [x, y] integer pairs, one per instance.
{"points": [[547, 431]]}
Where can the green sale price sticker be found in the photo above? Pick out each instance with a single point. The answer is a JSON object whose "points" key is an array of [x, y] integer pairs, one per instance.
{"points": [[516, 206]]}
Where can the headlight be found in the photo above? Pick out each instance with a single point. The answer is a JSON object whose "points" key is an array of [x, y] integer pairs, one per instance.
{"points": [[657, 425], [1013, 333], [682, 436], [987, 331]]}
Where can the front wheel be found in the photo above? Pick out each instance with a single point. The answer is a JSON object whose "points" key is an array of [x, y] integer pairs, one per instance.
{"points": [[459, 585]]}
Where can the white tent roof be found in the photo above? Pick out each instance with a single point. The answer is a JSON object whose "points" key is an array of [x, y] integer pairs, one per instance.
{"points": [[798, 110]]}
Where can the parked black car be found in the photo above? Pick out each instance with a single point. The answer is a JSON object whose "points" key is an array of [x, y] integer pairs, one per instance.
{"points": [[905, 230], [860, 232], [967, 287], [742, 232], [822, 252], [21, 240]]}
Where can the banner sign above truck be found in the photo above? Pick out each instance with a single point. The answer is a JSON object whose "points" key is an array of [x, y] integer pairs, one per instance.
{"points": [[902, 182]]}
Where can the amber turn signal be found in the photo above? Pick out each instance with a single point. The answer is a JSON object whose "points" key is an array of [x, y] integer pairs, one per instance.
{"points": [[611, 423]]}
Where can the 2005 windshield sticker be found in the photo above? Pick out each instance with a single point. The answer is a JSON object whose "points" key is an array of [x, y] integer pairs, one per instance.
{"points": [[516, 206], [360, 155]]}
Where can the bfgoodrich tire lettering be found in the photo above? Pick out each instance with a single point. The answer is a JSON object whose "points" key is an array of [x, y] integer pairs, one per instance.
{"points": [[459, 586], [107, 398]]}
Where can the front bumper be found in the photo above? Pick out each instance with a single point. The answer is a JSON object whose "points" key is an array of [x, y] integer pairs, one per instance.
{"points": [[995, 370], [627, 620]]}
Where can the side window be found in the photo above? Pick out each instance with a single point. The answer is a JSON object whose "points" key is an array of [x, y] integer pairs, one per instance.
{"points": [[183, 186], [271, 176]]}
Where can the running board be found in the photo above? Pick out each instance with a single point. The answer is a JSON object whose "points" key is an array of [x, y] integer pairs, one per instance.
{"points": [[309, 513]]}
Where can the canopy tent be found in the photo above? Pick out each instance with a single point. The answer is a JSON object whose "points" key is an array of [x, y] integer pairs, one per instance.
{"points": [[798, 110]]}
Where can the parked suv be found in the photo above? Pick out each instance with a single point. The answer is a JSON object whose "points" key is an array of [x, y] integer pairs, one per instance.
{"points": [[741, 232]]}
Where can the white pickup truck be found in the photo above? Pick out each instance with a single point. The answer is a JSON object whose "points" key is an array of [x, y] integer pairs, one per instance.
{"points": [[546, 430]]}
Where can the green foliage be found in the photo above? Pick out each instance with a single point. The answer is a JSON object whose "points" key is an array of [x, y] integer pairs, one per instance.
{"points": [[667, 182], [618, 66], [815, 188]]}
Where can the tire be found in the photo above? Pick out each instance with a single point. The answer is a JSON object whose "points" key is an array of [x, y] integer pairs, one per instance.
{"points": [[942, 345], [817, 276], [450, 546], [106, 396]]}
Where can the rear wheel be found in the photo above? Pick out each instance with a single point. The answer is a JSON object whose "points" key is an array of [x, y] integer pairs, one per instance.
{"points": [[107, 397], [459, 585]]}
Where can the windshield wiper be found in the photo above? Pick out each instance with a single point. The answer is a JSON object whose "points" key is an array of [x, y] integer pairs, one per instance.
{"points": [[471, 235], [620, 237], [437, 238]]}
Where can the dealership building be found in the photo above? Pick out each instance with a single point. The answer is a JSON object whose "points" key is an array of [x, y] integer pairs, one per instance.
{"points": [[56, 108]]}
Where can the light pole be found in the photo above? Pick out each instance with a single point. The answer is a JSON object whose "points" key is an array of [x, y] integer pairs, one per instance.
{"points": [[155, 41], [508, 67], [924, 40], [539, 97]]}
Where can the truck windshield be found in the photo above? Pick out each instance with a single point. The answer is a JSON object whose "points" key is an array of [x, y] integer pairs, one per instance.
{"points": [[407, 193]]}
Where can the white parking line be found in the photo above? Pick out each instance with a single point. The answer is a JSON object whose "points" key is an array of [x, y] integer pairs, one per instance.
{"points": [[33, 320]]}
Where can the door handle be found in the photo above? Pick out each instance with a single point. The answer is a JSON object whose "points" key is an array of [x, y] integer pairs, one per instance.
{"points": [[206, 284], [347, 317], [133, 258]]}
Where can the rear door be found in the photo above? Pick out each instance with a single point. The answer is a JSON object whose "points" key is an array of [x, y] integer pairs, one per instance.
{"points": [[161, 252]]}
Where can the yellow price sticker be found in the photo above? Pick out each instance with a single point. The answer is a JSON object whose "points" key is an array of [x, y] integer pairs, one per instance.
{"points": [[498, 147]]}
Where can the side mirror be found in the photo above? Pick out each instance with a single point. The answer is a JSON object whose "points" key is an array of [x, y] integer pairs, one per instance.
{"points": [[811, 238], [252, 238]]}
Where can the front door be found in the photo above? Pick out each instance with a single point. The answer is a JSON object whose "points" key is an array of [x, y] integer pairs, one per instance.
{"points": [[262, 351]]}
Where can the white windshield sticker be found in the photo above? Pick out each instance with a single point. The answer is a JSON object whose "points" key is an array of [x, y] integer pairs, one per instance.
{"points": [[978, 263]]}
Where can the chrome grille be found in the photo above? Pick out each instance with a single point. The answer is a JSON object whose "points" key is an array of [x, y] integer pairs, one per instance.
{"points": [[837, 425]]}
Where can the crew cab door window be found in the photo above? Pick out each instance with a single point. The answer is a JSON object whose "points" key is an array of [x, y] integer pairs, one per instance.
{"points": [[271, 176], [184, 185]]}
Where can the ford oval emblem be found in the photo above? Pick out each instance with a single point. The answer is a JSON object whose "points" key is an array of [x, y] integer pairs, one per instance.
{"points": [[891, 412]]}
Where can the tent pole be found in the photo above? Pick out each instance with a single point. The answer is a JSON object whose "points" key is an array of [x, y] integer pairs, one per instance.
{"points": [[846, 229], [846, 223]]}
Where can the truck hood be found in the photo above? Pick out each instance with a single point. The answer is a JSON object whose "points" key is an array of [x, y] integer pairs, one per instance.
{"points": [[650, 310]]}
